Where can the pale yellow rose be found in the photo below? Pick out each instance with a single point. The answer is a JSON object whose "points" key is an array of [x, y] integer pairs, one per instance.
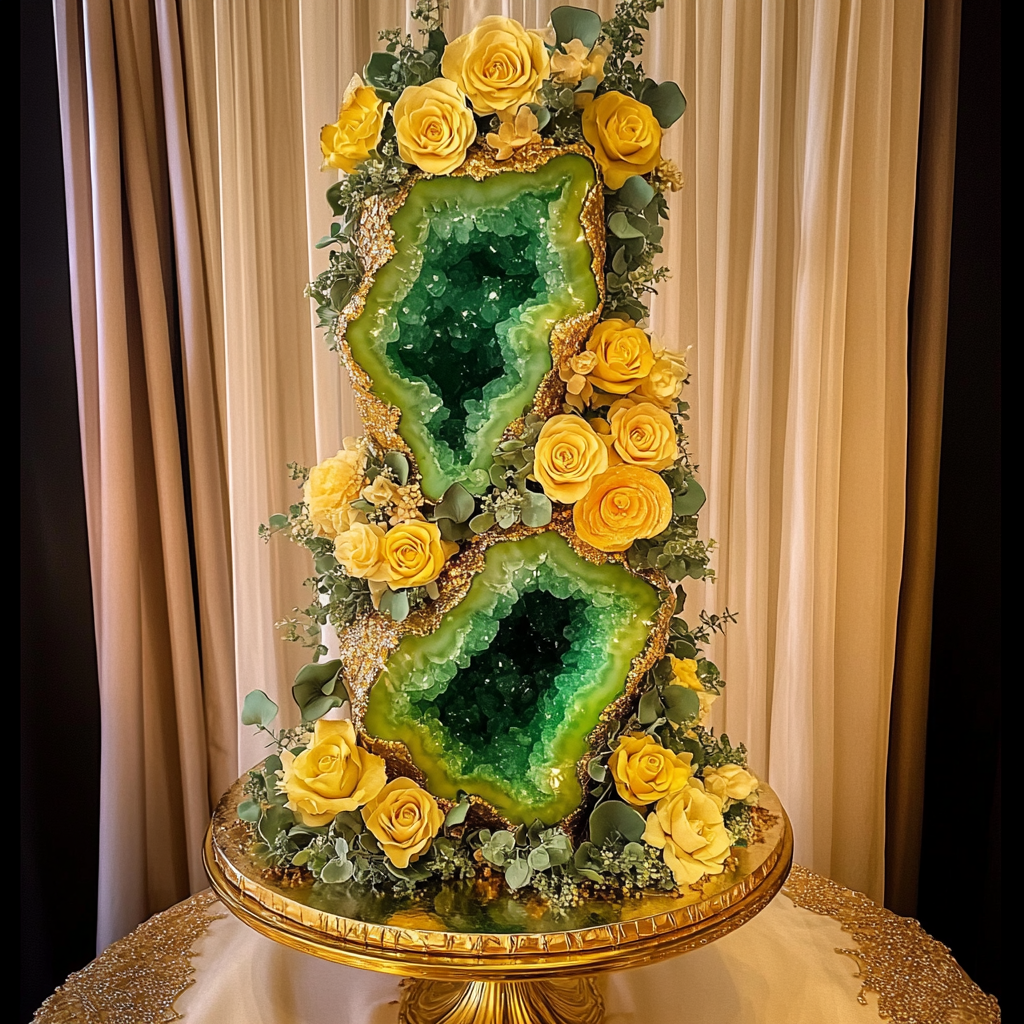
{"points": [[665, 381], [517, 130], [623, 504], [331, 488], [412, 554], [731, 784], [645, 772], [568, 455], [643, 435], [348, 143], [684, 673], [433, 126], [360, 550], [404, 819], [689, 830], [332, 775], [381, 492], [577, 62], [625, 137], [498, 65], [623, 353]]}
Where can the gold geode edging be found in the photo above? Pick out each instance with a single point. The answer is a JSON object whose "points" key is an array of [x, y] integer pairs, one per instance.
{"points": [[366, 645], [374, 245]]}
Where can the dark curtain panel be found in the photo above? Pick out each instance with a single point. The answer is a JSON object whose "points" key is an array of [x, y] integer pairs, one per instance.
{"points": [[59, 686], [962, 772]]}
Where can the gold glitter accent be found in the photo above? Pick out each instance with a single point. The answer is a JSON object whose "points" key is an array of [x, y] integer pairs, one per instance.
{"points": [[914, 976], [366, 644], [137, 979], [374, 245]]}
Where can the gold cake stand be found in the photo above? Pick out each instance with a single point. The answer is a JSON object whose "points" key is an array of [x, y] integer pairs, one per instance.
{"points": [[479, 955]]}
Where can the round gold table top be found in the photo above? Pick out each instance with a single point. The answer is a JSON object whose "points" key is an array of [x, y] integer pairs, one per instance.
{"points": [[461, 933]]}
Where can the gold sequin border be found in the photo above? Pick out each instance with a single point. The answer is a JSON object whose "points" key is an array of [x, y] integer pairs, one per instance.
{"points": [[938, 989], [375, 247]]}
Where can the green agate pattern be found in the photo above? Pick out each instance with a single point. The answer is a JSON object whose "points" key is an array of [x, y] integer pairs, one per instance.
{"points": [[500, 699], [456, 327]]}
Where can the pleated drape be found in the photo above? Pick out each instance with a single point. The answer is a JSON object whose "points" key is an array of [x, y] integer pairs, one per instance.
{"points": [[195, 197]]}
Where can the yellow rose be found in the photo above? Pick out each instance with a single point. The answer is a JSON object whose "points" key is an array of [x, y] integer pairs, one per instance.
{"points": [[731, 784], [359, 549], [433, 126], [624, 356], [331, 488], [689, 830], [332, 775], [623, 503], [643, 435], [498, 65], [567, 457], [684, 673], [412, 554], [625, 137], [644, 771], [348, 143], [665, 381], [404, 819]]}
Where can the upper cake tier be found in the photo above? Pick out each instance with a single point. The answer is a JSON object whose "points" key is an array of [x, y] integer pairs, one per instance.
{"points": [[483, 275]]}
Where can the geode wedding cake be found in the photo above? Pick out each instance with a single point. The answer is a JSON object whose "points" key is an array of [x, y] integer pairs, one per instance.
{"points": [[502, 553]]}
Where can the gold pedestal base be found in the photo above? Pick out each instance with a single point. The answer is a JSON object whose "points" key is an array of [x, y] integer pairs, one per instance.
{"points": [[560, 1001]]}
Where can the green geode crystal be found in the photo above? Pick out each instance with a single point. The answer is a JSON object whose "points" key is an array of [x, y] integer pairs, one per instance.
{"points": [[456, 328], [499, 700]]}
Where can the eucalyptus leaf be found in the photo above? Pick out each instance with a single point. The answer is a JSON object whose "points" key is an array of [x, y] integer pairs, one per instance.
{"points": [[451, 530], [337, 871], [341, 292], [612, 817], [315, 689], [619, 226], [683, 649], [596, 770], [319, 706], [275, 820], [575, 23], [635, 193], [249, 810], [457, 815], [379, 67], [651, 708], [681, 703], [536, 510], [542, 114], [326, 563], [457, 504], [588, 84], [538, 859], [278, 522], [272, 765], [437, 41], [258, 709], [690, 503], [666, 102], [497, 475], [396, 604], [517, 874], [482, 522], [399, 465]]}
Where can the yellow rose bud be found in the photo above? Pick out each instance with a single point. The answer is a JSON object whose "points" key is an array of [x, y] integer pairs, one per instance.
{"points": [[665, 381], [645, 772], [348, 143], [433, 126], [623, 504], [360, 550], [498, 65], [332, 775], [412, 554], [623, 356], [731, 784], [643, 435], [684, 673], [404, 819], [689, 830], [567, 457], [331, 488], [625, 137]]}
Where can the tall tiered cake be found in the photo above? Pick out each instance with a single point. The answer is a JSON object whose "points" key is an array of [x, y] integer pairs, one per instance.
{"points": [[501, 554]]}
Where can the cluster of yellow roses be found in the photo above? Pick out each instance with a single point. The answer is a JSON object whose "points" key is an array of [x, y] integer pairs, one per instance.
{"points": [[498, 69], [608, 467], [334, 774], [410, 553], [687, 822]]}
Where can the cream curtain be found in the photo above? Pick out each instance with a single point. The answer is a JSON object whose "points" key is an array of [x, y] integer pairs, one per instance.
{"points": [[790, 247], [194, 197]]}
